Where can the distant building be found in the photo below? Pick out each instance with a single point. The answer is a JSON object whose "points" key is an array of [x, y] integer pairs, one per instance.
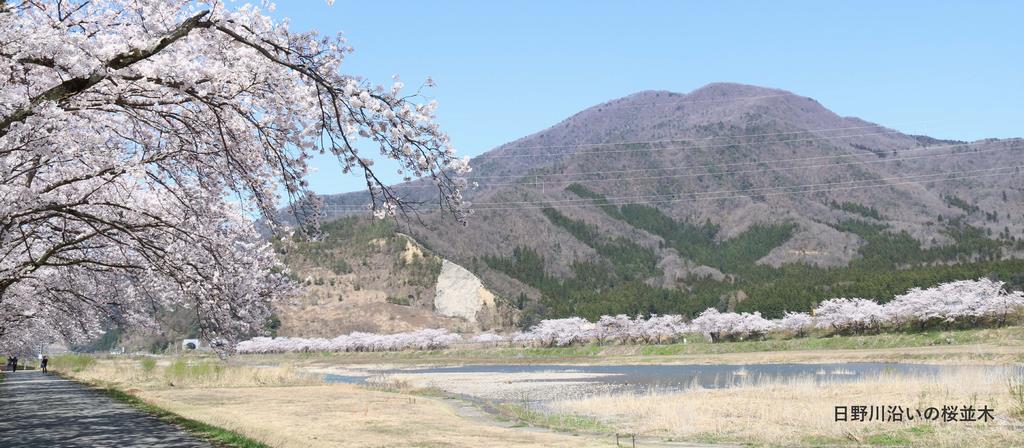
{"points": [[190, 344]]}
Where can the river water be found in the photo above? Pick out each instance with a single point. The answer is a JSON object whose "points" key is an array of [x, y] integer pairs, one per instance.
{"points": [[541, 382]]}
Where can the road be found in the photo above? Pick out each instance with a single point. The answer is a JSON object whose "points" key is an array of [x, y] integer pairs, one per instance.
{"points": [[44, 410]]}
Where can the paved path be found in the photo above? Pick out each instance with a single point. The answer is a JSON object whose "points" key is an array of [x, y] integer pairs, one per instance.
{"points": [[43, 410]]}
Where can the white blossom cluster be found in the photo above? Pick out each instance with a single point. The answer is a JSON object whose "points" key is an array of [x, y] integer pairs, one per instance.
{"points": [[140, 138], [796, 323], [429, 339], [842, 314], [486, 338], [731, 325], [655, 329]]}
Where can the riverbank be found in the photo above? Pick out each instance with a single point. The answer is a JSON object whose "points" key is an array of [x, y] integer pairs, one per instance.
{"points": [[758, 405], [280, 406], [976, 347]]}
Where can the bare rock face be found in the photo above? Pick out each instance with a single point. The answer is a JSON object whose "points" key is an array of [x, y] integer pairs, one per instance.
{"points": [[815, 244], [459, 293], [677, 269]]}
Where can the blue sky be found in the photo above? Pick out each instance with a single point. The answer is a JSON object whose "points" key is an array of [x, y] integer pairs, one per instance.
{"points": [[508, 69]]}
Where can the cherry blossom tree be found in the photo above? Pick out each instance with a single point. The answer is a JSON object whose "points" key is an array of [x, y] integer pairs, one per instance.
{"points": [[612, 328], [664, 328], [712, 324], [139, 139], [753, 326], [562, 332], [848, 315], [796, 323], [487, 338], [718, 326], [1002, 305]]}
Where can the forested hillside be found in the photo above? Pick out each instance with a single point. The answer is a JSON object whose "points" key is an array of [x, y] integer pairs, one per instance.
{"points": [[889, 263]]}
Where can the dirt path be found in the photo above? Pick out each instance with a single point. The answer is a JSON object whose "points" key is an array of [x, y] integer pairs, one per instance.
{"points": [[39, 409]]}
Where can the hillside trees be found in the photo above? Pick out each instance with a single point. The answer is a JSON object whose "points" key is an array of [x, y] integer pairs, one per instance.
{"points": [[629, 260], [138, 138], [889, 263], [853, 207]]}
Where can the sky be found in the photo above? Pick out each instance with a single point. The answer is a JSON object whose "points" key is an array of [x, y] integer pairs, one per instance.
{"points": [[508, 69]]}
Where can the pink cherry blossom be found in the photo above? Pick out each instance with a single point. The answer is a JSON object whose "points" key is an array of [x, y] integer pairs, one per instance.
{"points": [[139, 139]]}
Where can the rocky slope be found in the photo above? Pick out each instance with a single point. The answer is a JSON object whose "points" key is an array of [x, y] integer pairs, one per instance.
{"points": [[366, 276]]}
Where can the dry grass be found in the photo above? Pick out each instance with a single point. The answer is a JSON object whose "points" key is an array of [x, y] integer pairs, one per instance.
{"points": [[801, 412], [284, 408], [340, 415], [149, 373]]}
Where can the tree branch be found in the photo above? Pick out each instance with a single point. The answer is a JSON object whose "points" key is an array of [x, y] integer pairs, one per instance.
{"points": [[74, 86]]}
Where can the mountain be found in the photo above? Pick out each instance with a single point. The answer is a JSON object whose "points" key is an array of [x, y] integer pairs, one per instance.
{"points": [[734, 196]]}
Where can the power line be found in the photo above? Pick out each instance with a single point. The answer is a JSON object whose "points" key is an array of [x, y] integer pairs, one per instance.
{"points": [[767, 194], [765, 170], [733, 164], [1011, 170], [736, 163], [611, 105], [688, 148], [672, 140], [614, 198]]}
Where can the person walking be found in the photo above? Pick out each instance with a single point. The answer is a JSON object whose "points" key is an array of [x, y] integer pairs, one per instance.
{"points": [[10, 363], [14, 363], [43, 362]]}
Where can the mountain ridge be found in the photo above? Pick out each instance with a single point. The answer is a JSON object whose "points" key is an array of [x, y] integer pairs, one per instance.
{"points": [[541, 197]]}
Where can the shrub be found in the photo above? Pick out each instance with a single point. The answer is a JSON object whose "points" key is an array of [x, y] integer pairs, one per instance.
{"points": [[72, 362], [148, 365]]}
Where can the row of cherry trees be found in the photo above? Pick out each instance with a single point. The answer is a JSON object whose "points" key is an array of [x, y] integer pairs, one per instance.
{"points": [[429, 339], [970, 302], [965, 302]]}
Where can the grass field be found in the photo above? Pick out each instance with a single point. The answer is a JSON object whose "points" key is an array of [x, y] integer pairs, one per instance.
{"points": [[179, 372]]}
